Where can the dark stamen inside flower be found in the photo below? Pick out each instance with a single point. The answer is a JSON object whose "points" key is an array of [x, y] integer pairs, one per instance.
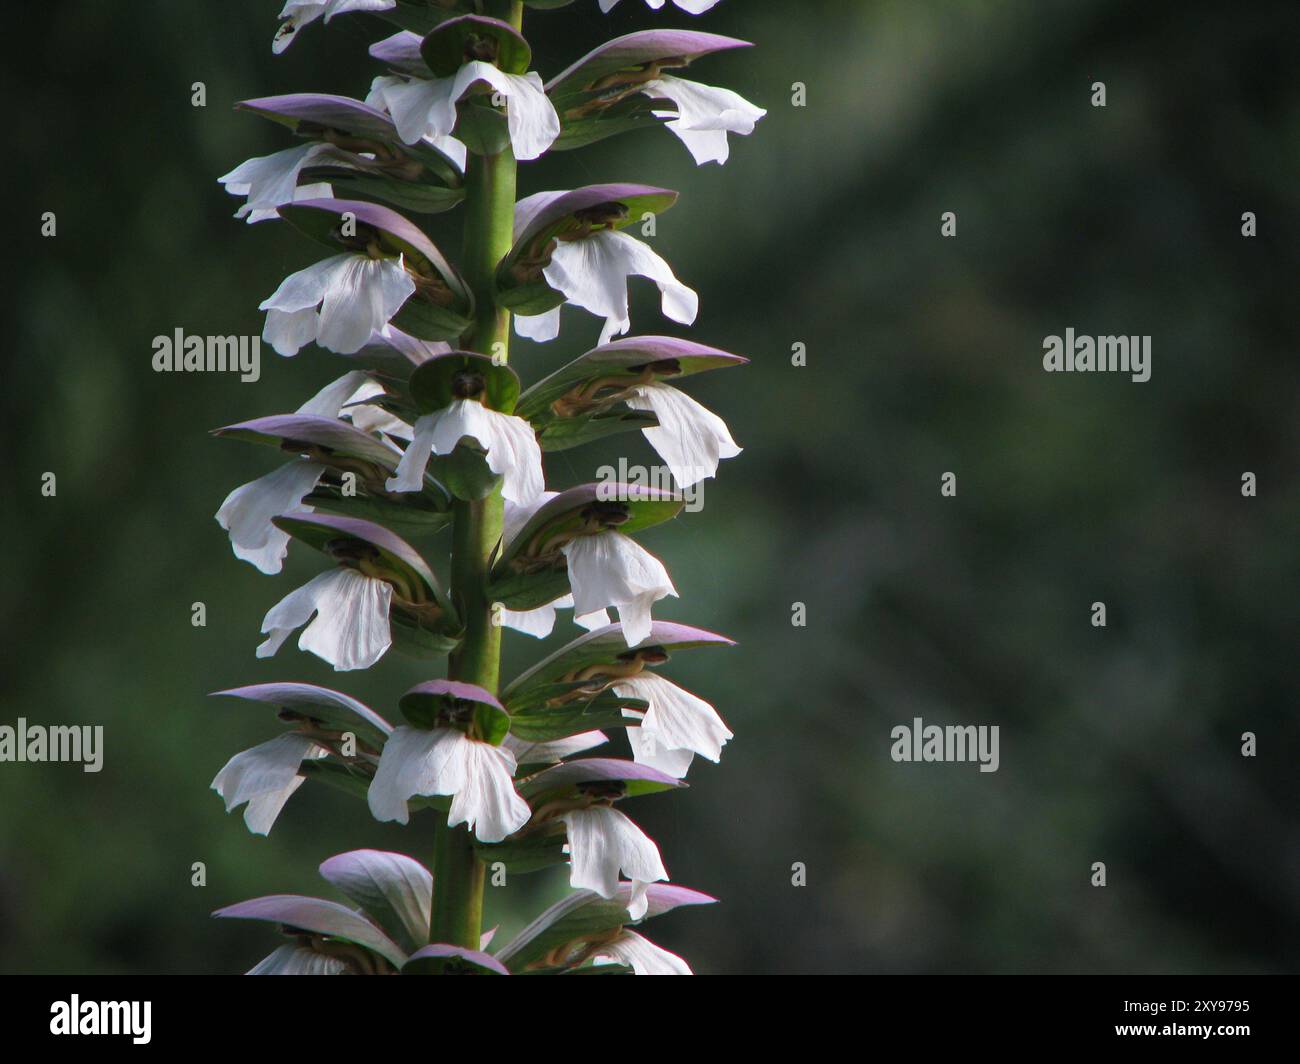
{"points": [[455, 711], [353, 552], [467, 384], [601, 214], [665, 367], [603, 790], [363, 238], [655, 655], [480, 48], [599, 516]]}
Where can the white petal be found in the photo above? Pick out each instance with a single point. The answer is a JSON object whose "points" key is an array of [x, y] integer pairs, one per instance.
{"points": [[307, 288], [288, 331], [351, 626], [272, 180], [689, 437], [446, 761], [538, 623], [592, 621], [265, 777], [488, 803], [677, 719], [358, 301], [292, 611], [317, 190], [518, 515], [705, 115], [409, 475], [512, 449], [530, 115], [246, 514], [603, 842], [540, 328], [330, 400], [420, 107], [454, 149], [611, 569], [640, 954], [647, 750], [526, 753], [592, 273], [298, 960], [694, 7], [339, 7]]}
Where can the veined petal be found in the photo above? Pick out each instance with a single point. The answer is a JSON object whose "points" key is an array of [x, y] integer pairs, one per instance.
{"points": [[512, 449], [298, 960], [676, 719], [446, 761], [420, 107], [359, 300], [409, 475], [689, 437], [307, 288], [539, 622], [246, 514], [639, 953], [602, 843], [647, 750], [611, 569], [271, 180], [530, 115], [592, 273], [289, 331], [351, 626], [330, 400], [265, 777], [488, 803], [705, 115]]}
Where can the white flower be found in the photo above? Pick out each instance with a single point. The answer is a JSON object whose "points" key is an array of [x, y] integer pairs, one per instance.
{"points": [[298, 960], [603, 842], [640, 954], [540, 622], [544, 753], [265, 777], [269, 181], [357, 295], [689, 437], [510, 443], [611, 569], [694, 7], [298, 13], [246, 514], [426, 107], [677, 725], [447, 761], [705, 115], [592, 271], [351, 626], [247, 511]]}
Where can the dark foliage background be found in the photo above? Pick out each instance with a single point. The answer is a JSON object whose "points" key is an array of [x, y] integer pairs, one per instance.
{"points": [[1119, 745]]}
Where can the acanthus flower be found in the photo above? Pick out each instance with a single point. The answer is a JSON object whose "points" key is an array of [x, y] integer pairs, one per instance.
{"points": [[299, 13]]}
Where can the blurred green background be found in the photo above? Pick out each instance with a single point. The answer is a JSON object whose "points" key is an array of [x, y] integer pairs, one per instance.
{"points": [[1119, 745]]}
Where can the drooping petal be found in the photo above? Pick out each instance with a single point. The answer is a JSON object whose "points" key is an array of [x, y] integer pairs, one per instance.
{"points": [[526, 753], [359, 301], [647, 750], [446, 761], [676, 719], [420, 107], [539, 622], [268, 181], [317, 190], [299, 13], [705, 115], [540, 328], [592, 273], [640, 954], [351, 627], [488, 803], [288, 332], [689, 437], [265, 777], [246, 514], [602, 843], [609, 569], [530, 115], [512, 449], [330, 400]]}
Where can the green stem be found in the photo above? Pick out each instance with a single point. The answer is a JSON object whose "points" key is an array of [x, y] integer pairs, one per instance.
{"points": [[458, 874]]}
